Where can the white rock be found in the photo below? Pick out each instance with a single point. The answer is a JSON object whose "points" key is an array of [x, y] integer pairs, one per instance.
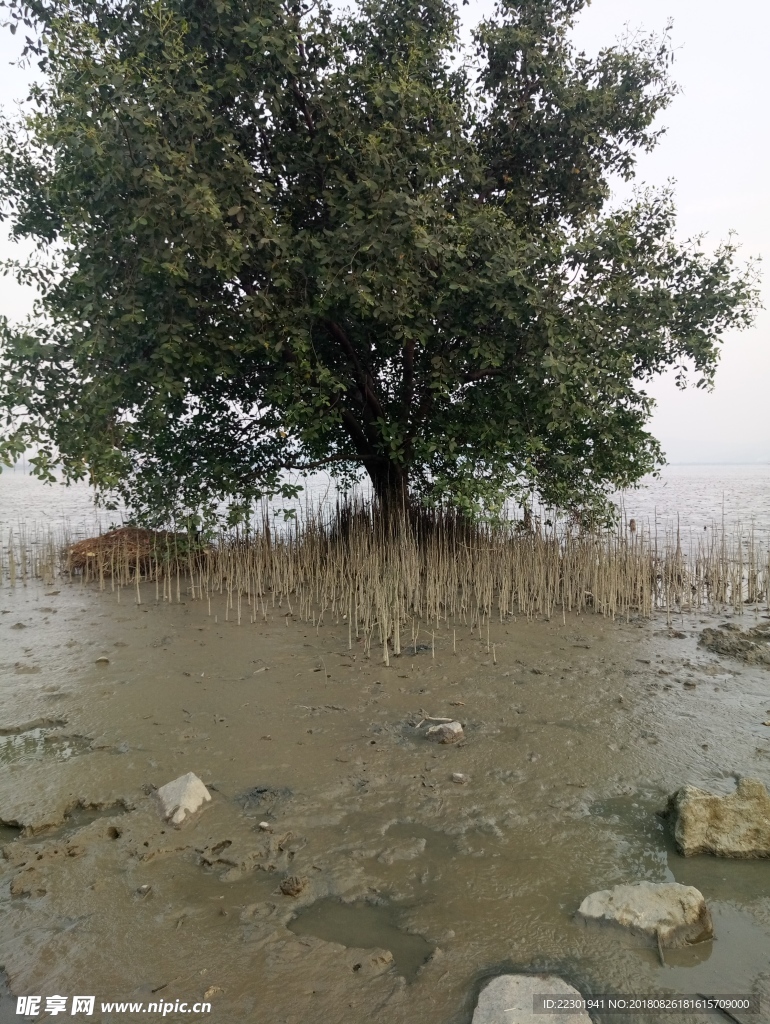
{"points": [[509, 999], [447, 732], [736, 825], [669, 913], [182, 797], [459, 778]]}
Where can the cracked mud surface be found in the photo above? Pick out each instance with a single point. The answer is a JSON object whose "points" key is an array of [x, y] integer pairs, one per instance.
{"points": [[321, 779]]}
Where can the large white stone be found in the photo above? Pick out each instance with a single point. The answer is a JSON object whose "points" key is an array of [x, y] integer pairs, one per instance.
{"points": [[666, 913], [736, 825], [509, 999], [182, 797]]}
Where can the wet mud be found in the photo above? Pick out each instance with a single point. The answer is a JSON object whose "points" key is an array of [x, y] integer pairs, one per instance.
{"points": [[412, 888], [750, 645]]}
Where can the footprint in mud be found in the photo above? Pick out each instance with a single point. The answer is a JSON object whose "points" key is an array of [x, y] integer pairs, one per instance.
{"points": [[262, 800], [20, 669], [39, 723], [84, 814], [365, 926]]}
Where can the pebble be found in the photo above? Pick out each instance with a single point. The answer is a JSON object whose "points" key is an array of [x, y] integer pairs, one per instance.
{"points": [[459, 778], [447, 732]]}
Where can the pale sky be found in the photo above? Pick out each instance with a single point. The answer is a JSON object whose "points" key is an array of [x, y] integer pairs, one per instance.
{"points": [[717, 153]]}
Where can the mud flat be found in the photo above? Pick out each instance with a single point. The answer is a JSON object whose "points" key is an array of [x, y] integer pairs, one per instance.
{"points": [[407, 889]]}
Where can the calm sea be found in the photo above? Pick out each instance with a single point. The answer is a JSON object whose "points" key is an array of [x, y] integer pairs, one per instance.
{"points": [[699, 496], [694, 496]]}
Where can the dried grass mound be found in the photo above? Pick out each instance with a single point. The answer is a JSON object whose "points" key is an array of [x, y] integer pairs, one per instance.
{"points": [[124, 548]]}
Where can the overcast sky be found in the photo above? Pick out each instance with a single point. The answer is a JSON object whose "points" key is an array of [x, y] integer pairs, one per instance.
{"points": [[717, 151]]}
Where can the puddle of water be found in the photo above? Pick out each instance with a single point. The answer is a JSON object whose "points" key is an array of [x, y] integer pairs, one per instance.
{"points": [[740, 881], [364, 926], [651, 837], [738, 954], [36, 744], [8, 833]]}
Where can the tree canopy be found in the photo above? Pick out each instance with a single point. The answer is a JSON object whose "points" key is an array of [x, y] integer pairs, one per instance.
{"points": [[271, 235]]}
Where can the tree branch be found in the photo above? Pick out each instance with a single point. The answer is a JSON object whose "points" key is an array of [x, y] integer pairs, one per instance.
{"points": [[304, 108], [408, 377], [492, 371], [363, 376], [314, 465]]}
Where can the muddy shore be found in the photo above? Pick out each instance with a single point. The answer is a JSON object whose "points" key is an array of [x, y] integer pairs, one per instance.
{"points": [[575, 733]]}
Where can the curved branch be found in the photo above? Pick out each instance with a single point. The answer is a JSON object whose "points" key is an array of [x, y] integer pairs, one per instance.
{"points": [[364, 378]]}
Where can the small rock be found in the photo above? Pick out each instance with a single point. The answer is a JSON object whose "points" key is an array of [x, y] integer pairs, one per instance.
{"points": [[509, 998], [293, 885], [736, 825], [459, 778], [102, 661], [447, 732], [265, 826], [182, 797], [668, 913]]}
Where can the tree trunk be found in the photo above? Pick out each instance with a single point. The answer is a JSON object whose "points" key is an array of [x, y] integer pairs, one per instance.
{"points": [[391, 485]]}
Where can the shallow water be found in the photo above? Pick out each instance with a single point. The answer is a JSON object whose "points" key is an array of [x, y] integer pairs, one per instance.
{"points": [[690, 497], [694, 498], [37, 744], [574, 739], [365, 926]]}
